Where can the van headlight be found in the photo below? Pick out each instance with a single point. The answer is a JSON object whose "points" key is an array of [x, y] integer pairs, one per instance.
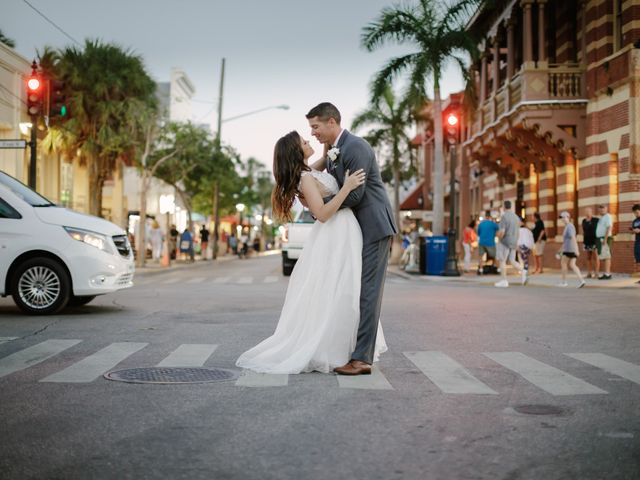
{"points": [[91, 238]]}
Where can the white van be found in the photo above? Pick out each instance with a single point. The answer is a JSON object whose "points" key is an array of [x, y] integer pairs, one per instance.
{"points": [[51, 257]]}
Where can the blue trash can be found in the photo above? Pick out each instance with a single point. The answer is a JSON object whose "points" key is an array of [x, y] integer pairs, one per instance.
{"points": [[437, 250]]}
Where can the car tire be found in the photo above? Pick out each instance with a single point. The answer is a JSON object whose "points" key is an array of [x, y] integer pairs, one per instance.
{"points": [[80, 301], [40, 286]]}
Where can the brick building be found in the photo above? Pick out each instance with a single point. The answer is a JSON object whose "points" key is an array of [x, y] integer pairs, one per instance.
{"points": [[557, 123]]}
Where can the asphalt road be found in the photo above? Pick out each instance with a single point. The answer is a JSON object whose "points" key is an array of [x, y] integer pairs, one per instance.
{"points": [[479, 383]]}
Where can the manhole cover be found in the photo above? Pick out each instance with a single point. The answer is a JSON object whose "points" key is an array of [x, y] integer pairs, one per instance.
{"points": [[172, 375], [538, 410]]}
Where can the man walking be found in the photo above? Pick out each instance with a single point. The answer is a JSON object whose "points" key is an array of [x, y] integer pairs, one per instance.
{"points": [[487, 230], [604, 241], [589, 224], [508, 245]]}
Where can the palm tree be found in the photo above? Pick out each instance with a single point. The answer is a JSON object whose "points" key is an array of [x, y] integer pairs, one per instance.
{"points": [[6, 40], [108, 91], [436, 28], [390, 118]]}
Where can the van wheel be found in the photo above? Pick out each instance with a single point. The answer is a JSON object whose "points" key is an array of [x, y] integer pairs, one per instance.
{"points": [[79, 301], [40, 286]]}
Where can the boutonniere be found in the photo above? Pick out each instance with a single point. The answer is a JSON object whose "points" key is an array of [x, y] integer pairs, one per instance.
{"points": [[333, 154]]}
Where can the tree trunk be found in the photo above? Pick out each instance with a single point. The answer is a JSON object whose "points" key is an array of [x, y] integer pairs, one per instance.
{"points": [[438, 164], [96, 182], [396, 248], [141, 240]]}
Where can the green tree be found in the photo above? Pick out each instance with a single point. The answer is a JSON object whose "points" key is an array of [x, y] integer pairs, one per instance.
{"points": [[6, 40], [437, 31], [388, 119], [109, 92]]}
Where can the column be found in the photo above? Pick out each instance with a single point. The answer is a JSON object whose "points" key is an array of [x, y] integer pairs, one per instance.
{"points": [[496, 64], [510, 49], [527, 43], [542, 39], [483, 78]]}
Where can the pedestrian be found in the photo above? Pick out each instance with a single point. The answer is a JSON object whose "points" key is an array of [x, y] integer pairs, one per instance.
{"points": [[508, 245], [635, 228], [243, 245], [569, 252], [156, 237], [204, 241], [487, 230], [173, 241], [540, 239], [469, 243], [186, 244], [589, 224], [604, 241], [256, 244], [526, 244], [233, 243]]}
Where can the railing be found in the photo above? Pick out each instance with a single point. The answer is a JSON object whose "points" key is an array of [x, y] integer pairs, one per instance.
{"points": [[565, 84], [515, 90]]}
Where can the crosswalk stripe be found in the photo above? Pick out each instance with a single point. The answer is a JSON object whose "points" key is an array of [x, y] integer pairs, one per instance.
{"points": [[244, 280], [254, 379], [91, 367], [448, 375], [7, 339], [196, 280], [221, 280], [271, 279], [375, 381], [189, 355], [33, 355], [609, 364], [171, 280], [546, 377]]}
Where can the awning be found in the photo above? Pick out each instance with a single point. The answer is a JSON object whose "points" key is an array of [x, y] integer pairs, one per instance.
{"points": [[415, 200]]}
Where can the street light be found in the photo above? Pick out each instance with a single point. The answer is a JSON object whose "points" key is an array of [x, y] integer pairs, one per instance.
{"points": [[451, 268]]}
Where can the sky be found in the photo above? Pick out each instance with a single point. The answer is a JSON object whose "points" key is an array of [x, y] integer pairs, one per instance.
{"points": [[278, 52]]}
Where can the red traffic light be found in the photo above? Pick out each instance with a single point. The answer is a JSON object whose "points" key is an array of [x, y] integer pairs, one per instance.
{"points": [[33, 83], [452, 119]]}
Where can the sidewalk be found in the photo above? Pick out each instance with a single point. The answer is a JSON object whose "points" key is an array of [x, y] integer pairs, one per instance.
{"points": [[550, 278], [152, 267]]}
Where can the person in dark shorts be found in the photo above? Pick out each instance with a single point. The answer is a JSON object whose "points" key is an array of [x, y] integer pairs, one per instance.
{"points": [[569, 252], [540, 239], [589, 225], [487, 241], [635, 228]]}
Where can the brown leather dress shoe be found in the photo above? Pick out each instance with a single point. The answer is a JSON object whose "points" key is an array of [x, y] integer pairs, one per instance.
{"points": [[354, 367]]}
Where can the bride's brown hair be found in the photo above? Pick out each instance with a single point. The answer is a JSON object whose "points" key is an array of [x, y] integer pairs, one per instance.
{"points": [[288, 165]]}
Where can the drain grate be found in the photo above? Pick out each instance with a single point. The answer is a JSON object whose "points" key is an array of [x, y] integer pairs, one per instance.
{"points": [[172, 375], [539, 410]]}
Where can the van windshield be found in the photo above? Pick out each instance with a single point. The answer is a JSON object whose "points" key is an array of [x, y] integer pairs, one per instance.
{"points": [[25, 193]]}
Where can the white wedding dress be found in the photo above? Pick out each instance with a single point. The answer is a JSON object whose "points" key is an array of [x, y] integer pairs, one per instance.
{"points": [[318, 325]]}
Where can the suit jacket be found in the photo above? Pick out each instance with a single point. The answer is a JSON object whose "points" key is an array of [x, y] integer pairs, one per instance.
{"points": [[369, 202]]}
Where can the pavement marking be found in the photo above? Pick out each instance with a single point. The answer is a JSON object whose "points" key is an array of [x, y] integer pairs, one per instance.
{"points": [[189, 355], [197, 280], [610, 364], [7, 339], [448, 375], [244, 280], [546, 377], [171, 280], [33, 355], [254, 379], [93, 366], [375, 381], [271, 279], [221, 280]]}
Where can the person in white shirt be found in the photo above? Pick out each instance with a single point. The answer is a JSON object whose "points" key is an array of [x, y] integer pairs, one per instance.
{"points": [[526, 244], [604, 241]]}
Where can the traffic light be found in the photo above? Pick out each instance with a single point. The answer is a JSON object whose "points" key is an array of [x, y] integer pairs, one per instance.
{"points": [[34, 93], [57, 99], [452, 128]]}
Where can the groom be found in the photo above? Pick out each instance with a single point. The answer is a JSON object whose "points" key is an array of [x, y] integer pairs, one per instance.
{"points": [[371, 207]]}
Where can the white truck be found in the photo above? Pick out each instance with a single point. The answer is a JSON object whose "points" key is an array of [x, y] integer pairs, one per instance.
{"points": [[295, 235]]}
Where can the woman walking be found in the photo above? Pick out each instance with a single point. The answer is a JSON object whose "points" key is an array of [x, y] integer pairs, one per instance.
{"points": [[569, 252], [469, 242], [540, 238]]}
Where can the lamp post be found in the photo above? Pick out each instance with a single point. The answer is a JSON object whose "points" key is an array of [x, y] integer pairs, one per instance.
{"points": [[451, 268]]}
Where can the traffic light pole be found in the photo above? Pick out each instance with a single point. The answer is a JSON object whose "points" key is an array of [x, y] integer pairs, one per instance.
{"points": [[451, 269], [34, 152]]}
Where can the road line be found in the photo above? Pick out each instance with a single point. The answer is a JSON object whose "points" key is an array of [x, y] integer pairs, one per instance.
{"points": [[253, 379], [271, 279], [33, 355], [375, 381], [546, 377], [244, 280], [196, 280], [171, 280], [93, 366], [7, 339], [221, 280], [448, 375], [189, 355], [609, 364]]}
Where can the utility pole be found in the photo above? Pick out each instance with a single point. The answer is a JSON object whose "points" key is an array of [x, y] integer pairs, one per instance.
{"points": [[218, 149]]}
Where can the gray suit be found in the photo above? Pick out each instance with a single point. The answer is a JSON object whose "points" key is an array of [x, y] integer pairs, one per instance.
{"points": [[372, 209]]}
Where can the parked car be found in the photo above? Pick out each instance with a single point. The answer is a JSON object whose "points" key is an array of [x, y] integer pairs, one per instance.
{"points": [[51, 257], [295, 234]]}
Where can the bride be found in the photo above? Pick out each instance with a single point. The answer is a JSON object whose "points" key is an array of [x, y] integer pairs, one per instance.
{"points": [[318, 325]]}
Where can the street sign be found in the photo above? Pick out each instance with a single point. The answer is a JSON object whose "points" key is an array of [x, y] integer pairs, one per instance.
{"points": [[13, 144]]}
